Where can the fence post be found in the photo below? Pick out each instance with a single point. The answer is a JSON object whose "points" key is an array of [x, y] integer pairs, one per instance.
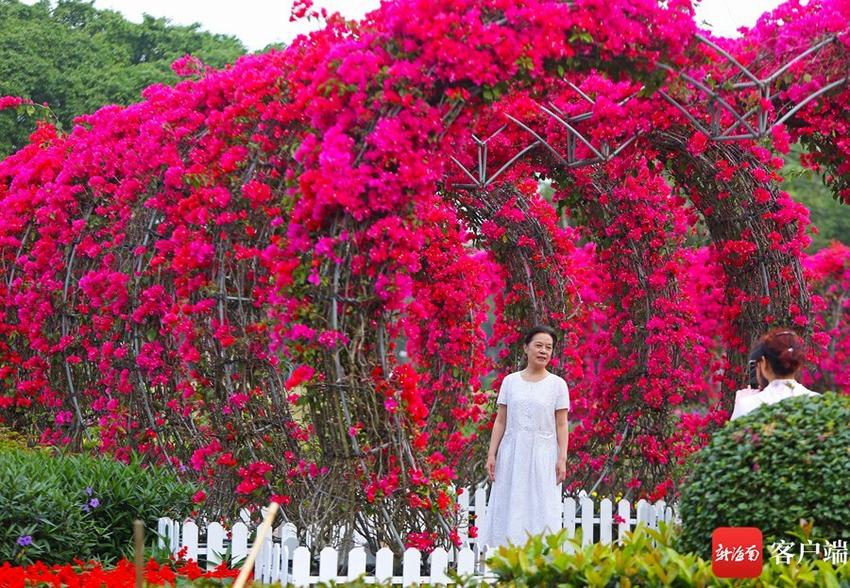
{"points": [[644, 512], [275, 567], [263, 563], [163, 532], [174, 537], [384, 565], [439, 565], [624, 510], [570, 519], [239, 540], [411, 567], [658, 514], [670, 514], [356, 563], [327, 564], [586, 520], [289, 536], [301, 567], [466, 562], [463, 516], [480, 505], [606, 521], [485, 570], [215, 544], [190, 540]]}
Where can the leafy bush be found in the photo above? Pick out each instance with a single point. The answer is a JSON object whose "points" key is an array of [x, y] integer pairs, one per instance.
{"points": [[646, 558], [11, 440], [59, 508], [770, 469]]}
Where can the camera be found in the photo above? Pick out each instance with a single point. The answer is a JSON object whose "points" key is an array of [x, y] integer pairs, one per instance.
{"points": [[752, 372], [752, 375]]}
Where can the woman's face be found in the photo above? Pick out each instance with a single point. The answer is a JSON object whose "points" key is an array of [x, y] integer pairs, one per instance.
{"points": [[539, 350]]}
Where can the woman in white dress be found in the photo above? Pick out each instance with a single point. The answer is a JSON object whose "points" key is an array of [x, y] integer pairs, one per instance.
{"points": [[780, 355], [527, 459]]}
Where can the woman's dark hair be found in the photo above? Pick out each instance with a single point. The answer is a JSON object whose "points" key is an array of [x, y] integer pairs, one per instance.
{"points": [[757, 352], [541, 329], [784, 351], [754, 378]]}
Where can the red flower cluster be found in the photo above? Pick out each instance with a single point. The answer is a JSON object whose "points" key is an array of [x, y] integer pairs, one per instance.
{"points": [[12, 102], [93, 575]]}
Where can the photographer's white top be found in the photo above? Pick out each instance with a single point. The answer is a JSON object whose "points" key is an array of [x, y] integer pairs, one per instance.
{"points": [[774, 392]]}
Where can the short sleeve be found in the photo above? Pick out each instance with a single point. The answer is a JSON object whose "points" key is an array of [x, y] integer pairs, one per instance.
{"points": [[742, 406], [562, 400], [738, 411], [504, 392]]}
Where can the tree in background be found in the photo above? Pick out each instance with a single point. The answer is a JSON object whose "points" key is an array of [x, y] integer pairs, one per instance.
{"points": [[77, 58], [831, 217]]}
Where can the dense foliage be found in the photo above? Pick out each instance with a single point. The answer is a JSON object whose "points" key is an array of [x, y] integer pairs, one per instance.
{"points": [[830, 217], [828, 273], [77, 58], [646, 558], [10, 440], [56, 509], [771, 469], [276, 276]]}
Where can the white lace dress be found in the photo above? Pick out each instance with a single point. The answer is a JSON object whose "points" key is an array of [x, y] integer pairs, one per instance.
{"points": [[526, 497]]}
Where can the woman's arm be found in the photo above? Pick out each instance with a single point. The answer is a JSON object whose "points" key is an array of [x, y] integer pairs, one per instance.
{"points": [[563, 429], [495, 439]]}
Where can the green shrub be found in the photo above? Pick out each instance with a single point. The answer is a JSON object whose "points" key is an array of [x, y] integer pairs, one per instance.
{"points": [[10, 439], [58, 508], [770, 469], [646, 558]]}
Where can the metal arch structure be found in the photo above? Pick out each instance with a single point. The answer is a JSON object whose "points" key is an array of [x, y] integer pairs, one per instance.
{"points": [[705, 114], [742, 127], [745, 105]]}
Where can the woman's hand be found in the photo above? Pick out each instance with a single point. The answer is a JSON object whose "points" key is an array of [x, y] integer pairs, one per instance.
{"points": [[561, 471], [491, 467]]}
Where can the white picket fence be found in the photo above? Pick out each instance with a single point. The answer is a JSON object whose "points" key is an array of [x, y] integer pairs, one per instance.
{"points": [[282, 559]]}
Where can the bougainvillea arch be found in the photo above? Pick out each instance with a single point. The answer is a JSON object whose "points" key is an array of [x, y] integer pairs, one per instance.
{"points": [[290, 278]]}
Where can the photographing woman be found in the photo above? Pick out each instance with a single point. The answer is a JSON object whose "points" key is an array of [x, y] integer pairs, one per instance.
{"points": [[780, 355]]}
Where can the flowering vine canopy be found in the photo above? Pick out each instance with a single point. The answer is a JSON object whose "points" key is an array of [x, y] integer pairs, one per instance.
{"points": [[297, 277]]}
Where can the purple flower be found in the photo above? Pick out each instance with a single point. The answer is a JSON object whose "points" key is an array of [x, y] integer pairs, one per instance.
{"points": [[25, 540], [89, 490], [94, 503]]}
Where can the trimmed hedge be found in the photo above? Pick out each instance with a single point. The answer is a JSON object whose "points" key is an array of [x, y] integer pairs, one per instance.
{"points": [[776, 466], [56, 509]]}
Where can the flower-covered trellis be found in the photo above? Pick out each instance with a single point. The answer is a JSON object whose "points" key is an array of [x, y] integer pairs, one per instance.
{"points": [[284, 277]]}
